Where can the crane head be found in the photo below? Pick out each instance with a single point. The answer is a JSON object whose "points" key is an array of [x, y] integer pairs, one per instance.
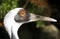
{"points": [[24, 16], [14, 18]]}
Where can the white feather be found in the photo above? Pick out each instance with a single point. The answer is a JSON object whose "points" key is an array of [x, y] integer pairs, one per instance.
{"points": [[10, 24]]}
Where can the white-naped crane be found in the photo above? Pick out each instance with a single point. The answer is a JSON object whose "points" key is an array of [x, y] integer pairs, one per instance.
{"points": [[17, 17]]}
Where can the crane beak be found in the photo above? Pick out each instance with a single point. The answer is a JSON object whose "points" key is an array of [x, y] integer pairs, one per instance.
{"points": [[34, 17]]}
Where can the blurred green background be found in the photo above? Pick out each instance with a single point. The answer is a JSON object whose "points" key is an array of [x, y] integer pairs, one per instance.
{"points": [[6, 5]]}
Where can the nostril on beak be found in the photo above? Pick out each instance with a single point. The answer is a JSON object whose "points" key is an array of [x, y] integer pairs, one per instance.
{"points": [[37, 16]]}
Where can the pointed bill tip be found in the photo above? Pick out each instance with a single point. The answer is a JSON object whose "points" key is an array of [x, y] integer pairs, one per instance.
{"points": [[49, 19], [54, 20]]}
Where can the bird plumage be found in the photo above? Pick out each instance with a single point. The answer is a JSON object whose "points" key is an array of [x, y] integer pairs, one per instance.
{"points": [[11, 19], [9, 22]]}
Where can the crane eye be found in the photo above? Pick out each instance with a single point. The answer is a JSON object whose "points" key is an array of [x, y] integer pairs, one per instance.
{"points": [[22, 13]]}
